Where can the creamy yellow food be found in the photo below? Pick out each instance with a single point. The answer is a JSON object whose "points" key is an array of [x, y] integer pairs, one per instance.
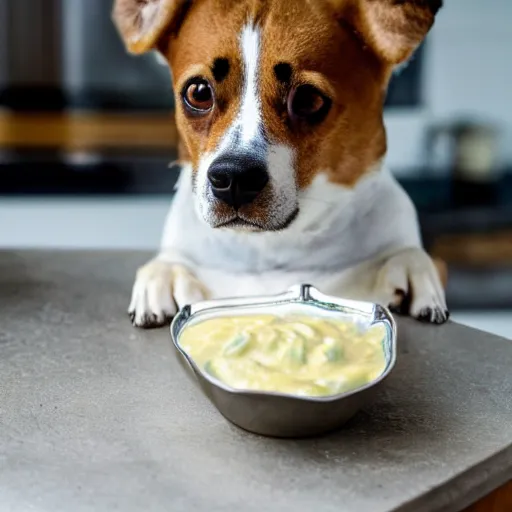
{"points": [[294, 354]]}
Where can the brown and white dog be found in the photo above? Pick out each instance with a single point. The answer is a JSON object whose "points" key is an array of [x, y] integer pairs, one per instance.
{"points": [[279, 105]]}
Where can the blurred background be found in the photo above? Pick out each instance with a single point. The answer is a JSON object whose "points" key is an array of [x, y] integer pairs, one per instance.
{"points": [[87, 132]]}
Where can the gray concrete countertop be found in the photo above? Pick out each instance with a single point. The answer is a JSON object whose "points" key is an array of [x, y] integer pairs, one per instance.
{"points": [[96, 416]]}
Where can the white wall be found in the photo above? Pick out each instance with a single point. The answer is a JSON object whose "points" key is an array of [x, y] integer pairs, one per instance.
{"points": [[74, 223], [468, 71]]}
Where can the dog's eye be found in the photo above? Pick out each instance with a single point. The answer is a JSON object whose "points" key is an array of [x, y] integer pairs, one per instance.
{"points": [[198, 96], [307, 102]]}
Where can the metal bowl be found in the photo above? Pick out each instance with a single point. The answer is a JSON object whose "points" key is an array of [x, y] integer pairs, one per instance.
{"points": [[284, 415]]}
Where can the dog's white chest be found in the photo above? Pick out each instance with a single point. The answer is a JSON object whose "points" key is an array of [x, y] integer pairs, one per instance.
{"points": [[336, 229]]}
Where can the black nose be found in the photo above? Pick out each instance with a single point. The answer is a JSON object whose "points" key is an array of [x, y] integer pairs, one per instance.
{"points": [[237, 180]]}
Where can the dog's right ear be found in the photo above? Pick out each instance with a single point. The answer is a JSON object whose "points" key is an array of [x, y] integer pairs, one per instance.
{"points": [[393, 29], [142, 23]]}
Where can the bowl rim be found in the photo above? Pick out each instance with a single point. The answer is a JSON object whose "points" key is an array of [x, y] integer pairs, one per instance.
{"points": [[302, 294]]}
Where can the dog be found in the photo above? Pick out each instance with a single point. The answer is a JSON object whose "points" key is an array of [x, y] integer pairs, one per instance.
{"points": [[279, 106]]}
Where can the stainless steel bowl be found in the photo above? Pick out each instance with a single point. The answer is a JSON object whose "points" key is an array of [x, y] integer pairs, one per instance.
{"points": [[277, 414]]}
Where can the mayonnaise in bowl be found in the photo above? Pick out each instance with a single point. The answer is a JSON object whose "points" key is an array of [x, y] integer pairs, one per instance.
{"points": [[291, 353]]}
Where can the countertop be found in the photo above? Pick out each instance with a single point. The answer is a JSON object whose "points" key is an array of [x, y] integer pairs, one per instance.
{"points": [[97, 416]]}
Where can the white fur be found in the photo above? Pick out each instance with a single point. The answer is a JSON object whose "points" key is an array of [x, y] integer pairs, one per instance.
{"points": [[159, 287], [280, 160], [204, 200], [250, 112], [248, 121], [336, 228], [147, 15]]}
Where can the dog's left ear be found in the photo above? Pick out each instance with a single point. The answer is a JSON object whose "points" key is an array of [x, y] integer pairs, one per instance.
{"points": [[142, 23], [392, 28]]}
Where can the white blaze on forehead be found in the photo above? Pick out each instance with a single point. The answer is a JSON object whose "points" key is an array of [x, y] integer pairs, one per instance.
{"points": [[246, 129], [250, 112]]}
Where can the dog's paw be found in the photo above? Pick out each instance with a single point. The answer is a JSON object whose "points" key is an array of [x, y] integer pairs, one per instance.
{"points": [[409, 284], [161, 289]]}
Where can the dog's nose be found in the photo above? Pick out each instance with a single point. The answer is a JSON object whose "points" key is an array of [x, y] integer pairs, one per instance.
{"points": [[237, 180]]}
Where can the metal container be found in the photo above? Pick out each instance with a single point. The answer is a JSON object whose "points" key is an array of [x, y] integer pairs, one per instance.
{"points": [[277, 414]]}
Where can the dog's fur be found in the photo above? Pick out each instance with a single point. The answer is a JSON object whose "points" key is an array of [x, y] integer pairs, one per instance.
{"points": [[331, 214]]}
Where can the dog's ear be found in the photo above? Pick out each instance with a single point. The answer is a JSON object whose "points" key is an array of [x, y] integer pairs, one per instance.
{"points": [[141, 23], [392, 28]]}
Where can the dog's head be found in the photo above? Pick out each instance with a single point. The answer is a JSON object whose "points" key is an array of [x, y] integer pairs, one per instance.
{"points": [[275, 95]]}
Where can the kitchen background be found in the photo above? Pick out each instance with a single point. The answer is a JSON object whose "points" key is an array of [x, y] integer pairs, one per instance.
{"points": [[86, 133]]}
